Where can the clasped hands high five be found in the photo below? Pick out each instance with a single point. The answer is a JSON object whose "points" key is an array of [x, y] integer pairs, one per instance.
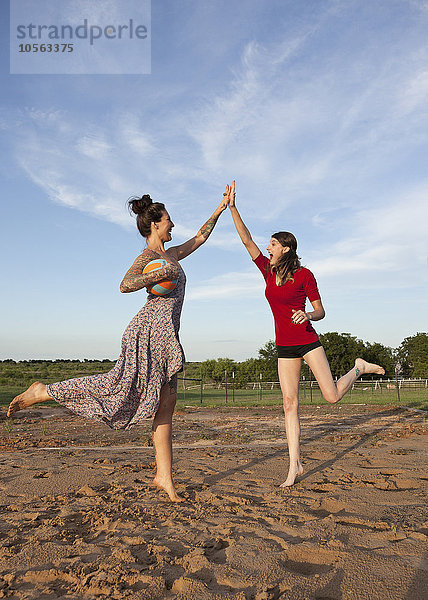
{"points": [[229, 195]]}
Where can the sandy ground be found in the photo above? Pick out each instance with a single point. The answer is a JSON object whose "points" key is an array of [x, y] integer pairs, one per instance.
{"points": [[80, 518]]}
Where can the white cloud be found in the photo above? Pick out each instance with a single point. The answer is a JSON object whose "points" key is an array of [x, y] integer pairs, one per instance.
{"points": [[303, 137], [132, 135], [415, 93], [228, 285], [382, 245], [317, 109], [93, 147]]}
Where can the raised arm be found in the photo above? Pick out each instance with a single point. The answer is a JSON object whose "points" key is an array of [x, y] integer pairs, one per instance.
{"points": [[203, 234], [135, 280], [243, 232]]}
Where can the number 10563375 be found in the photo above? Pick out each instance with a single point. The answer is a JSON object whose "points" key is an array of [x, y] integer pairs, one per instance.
{"points": [[49, 48]]}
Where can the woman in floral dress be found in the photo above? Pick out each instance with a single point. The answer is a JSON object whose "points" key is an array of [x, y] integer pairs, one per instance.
{"points": [[143, 381]]}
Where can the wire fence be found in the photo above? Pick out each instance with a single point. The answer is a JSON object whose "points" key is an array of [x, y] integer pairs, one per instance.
{"points": [[259, 391], [200, 391]]}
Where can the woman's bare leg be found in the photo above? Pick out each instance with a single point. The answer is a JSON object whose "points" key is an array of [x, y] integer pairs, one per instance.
{"points": [[36, 393], [331, 391], [289, 375], [162, 440]]}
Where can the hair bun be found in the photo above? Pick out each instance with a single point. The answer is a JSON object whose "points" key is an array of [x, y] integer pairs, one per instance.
{"points": [[140, 205]]}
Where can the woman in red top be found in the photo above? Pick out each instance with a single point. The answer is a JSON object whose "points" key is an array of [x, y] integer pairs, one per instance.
{"points": [[288, 284]]}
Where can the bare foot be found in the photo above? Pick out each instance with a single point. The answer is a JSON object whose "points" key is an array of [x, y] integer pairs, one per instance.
{"points": [[293, 472], [35, 393], [366, 367], [168, 487]]}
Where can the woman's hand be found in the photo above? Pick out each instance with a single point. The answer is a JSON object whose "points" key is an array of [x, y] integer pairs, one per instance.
{"points": [[231, 194], [243, 232], [299, 316], [224, 203], [203, 234]]}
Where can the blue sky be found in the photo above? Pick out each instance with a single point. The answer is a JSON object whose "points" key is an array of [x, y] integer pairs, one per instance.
{"points": [[318, 109]]}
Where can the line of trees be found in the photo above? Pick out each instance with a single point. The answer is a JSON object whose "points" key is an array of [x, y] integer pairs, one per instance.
{"points": [[23, 373], [410, 359]]}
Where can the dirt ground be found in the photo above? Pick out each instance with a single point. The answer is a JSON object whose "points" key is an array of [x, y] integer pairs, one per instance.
{"points": [[81, 520]]}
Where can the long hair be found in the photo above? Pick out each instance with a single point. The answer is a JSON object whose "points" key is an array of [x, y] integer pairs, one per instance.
{"points": [[289, 262]]}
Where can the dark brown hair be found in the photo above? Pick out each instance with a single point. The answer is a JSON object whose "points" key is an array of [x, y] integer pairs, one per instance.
{"points": [[147, 212], [289, 262]]}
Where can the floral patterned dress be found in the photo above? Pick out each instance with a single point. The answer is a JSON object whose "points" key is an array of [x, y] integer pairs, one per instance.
{"points": [[151, 354]]}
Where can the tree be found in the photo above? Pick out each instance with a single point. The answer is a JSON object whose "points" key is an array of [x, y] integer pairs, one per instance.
{"points": [[413, 355], [268, 361], [215, 368], [381, 355], [341, 349], [246, 371]]}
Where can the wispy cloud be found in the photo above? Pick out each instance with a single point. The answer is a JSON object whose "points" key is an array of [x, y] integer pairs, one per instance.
{"points": [[300, 135], [229, 285], [385, 248], [93, 148], [317, 109]]}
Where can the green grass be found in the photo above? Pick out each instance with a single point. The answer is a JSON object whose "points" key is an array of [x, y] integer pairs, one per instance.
{"points": [[7, 393], [212, 397]]}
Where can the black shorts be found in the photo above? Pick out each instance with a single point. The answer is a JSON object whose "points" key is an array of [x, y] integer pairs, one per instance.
{"points": [[297, 351]]}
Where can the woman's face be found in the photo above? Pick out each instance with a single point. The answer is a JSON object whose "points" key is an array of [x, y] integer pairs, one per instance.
{"points": [[164, 227], [276, 250]]}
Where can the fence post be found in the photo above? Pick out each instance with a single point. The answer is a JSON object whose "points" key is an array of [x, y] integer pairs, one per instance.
{"points": [[233, 386], [202, 386], [397, 371], [225, 379], [183, 383]]}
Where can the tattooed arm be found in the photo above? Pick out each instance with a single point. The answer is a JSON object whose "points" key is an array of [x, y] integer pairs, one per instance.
{"points": [[135, 280], [242, 230], [203, 234]]}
